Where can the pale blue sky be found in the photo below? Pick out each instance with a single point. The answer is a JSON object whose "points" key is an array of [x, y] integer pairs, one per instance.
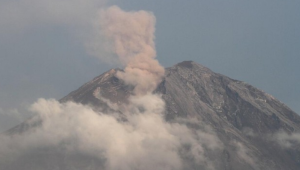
{"points": [[254, 41]]}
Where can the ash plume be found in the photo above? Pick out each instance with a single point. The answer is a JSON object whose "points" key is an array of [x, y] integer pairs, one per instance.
{"points": [[130, 35]]}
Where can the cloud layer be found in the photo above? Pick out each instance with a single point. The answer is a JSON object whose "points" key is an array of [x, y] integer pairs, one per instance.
{"points": [[143, 141]]}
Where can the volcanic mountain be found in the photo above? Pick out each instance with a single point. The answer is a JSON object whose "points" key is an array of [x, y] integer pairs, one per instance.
{"points": [[256, 130]]}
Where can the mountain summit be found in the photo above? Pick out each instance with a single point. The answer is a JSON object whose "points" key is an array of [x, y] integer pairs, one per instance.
{"points": [[190, 89], [255, 130]]}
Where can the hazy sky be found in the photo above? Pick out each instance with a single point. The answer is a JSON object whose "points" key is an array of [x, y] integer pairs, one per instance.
{"points": [[43, 54]]}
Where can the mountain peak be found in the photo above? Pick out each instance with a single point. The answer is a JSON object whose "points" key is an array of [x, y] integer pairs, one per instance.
{"points": [[187, 64], [191, 65]]}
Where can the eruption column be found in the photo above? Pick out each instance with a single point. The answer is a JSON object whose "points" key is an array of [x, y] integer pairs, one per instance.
{"points": [[130, 35]]}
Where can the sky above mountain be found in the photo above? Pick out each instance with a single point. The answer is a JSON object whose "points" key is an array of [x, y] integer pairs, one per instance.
{"points": [[44, 45]]}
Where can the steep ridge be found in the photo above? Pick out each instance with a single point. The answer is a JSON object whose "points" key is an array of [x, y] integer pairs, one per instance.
{"points": [[236, 110], [241, 104]]}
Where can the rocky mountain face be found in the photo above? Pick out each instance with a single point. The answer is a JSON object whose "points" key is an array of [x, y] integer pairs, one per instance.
{"points": [[256, 130]]}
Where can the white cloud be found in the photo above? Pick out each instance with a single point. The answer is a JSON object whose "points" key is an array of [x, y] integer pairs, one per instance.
{"points": [[144, 141], [244, 154], [286, 140]]}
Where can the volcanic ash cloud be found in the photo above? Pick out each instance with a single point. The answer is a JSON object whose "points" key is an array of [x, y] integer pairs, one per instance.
{"points": [[130, 36]]}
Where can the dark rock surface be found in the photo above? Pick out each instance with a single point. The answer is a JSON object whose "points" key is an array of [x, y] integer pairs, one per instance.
{"points": [[240, 114]]}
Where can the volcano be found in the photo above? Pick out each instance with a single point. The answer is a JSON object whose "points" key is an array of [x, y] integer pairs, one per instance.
{"points": [[256, 130]]}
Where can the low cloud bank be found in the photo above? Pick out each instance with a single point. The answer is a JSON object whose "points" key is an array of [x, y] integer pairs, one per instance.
{"points": [[143, 141]]}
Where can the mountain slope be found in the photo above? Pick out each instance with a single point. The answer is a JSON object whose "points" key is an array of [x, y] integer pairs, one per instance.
{"points": [[237, 111], [245, 119]]}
